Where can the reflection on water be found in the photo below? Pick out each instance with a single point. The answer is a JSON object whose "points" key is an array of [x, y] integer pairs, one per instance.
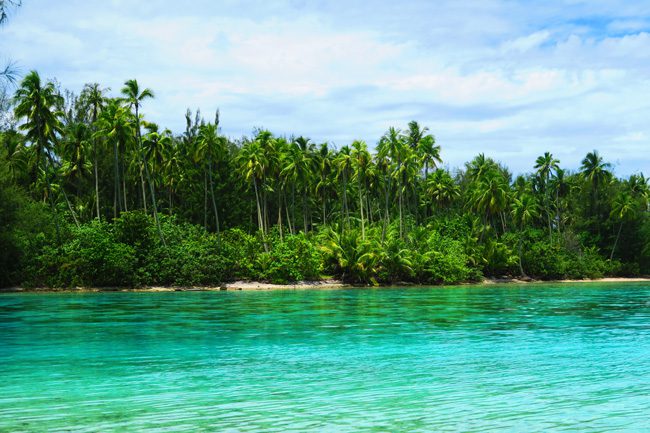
{"points": [[473, 358]]}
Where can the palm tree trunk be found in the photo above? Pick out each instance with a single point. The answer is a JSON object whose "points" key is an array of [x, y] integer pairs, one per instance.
{"points": [[618, 235], [152, 191], [96, 178], [286, 209], [72, 212], [116, 192], [126, 207], [304, 210], [363, 227], [280, 213], [214, 203], [144, 195], [260, 224], [205, 200]]}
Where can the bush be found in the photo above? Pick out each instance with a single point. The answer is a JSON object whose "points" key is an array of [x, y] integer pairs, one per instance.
{"points": [[90, 256], [292, 259]]}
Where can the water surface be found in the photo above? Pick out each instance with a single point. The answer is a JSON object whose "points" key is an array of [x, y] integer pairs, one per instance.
{"points": [[477, 358]]}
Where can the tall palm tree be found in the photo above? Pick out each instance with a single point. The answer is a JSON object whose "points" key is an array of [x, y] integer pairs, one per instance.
{"points": [[252, 162], [392, 144], [210, 148], [623, 207], [343, 163], [93, 97], [74, 153], [134, 97], [324, 162], [524, 211], [595, 170], [490, 196], [297, 169], [360, 162], [115, 125], [37, 104], [546, 165], [596, 173]]}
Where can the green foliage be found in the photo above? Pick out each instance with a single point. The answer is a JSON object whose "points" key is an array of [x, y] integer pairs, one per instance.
{"points": [[292, 259], [89, 256], [283, 209]]}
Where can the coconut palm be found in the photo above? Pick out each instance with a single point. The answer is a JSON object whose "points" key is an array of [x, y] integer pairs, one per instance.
{"points": [[596, 172], [252, 163], [134, 98], [524, 211], [360, 161], [36, 103], [623, 207], [210, 147], [115, 125], [546, 165], [297, 170], [92, 96], [392, 145], [343, 163], [441, 188]]}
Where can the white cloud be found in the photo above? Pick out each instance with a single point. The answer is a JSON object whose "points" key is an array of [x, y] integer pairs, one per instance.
{"points": [[512, 78]]}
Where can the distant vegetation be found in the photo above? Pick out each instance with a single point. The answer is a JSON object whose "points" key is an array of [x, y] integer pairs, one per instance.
{"points": [[91, 193]]}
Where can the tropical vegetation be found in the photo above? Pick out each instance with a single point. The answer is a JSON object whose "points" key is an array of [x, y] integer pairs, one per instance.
{"points": [[93, 193]]}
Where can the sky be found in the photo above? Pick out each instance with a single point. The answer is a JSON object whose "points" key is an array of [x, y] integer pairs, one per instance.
{"points": [[511, 79]]}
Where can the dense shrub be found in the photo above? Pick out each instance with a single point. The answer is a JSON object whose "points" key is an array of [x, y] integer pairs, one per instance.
{"points": [[292, 259], [90, 256]]}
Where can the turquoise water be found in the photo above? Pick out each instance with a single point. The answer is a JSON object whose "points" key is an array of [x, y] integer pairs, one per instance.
{"points": [[516, 358]]}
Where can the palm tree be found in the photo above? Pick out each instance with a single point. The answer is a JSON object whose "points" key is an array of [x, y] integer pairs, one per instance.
{"points": [[115, 124], [441, 188], [596, 172], [210, 148], [624, 206], [546, 165], [252, 162], [15, 153], [94, 98], [74, 153], [392, 144], [524, 211], [134, 98], [490, 196], [429, 153], [343, 164], [37, 104], [360, 162], [297, 169], [324, 162]]}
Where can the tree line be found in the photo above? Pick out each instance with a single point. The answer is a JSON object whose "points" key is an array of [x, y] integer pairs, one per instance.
{"points": [[92, 162]]}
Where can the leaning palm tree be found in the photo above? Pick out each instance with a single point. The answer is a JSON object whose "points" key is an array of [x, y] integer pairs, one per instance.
{"points": [[134, 98], [623, 207]]}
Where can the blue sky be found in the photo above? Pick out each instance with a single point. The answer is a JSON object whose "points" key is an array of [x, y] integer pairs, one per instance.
{"points": [[511, 79]]}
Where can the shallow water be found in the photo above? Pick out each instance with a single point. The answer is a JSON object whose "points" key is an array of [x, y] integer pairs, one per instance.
{"points": [[518, 358]]}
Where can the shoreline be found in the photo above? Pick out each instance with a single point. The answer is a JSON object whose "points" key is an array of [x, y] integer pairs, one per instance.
{"points": [[308, 285]]}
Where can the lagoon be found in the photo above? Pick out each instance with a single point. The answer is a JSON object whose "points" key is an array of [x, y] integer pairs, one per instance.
{"points": [[471, 358]]}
